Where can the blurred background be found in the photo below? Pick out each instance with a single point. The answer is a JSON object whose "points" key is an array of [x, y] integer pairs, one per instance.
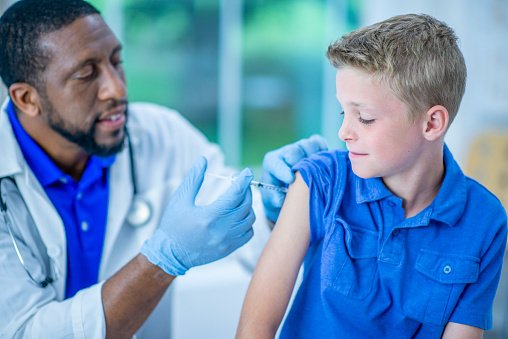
{"points": [[252, 76]]}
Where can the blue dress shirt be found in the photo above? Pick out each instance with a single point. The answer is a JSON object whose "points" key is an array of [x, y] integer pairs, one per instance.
{"points": [[82, 205]]}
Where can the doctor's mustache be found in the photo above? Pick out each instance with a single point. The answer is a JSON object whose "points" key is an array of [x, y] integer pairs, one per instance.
{"points": [[113, 104]]}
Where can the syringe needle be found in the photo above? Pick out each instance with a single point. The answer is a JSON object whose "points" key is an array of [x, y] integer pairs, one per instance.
{"points": [[252, 183], [268, 186]]}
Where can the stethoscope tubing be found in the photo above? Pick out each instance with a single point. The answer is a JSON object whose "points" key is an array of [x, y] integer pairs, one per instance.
{"points": [[140, 211], [3, 207]]}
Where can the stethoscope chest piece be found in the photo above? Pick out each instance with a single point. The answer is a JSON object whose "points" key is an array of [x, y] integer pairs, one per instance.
{"points": [[140, 212]]}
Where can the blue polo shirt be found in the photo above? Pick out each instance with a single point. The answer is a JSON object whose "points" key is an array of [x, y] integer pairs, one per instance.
{"points": [[82, 205], [372, 273]]}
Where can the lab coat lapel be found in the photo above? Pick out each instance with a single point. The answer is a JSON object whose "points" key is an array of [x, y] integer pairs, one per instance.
{"points": [[120, 198], [50, 225], [44, 215]]}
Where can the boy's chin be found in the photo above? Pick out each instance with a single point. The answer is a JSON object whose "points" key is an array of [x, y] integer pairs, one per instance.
{"points": [[364, 174]]}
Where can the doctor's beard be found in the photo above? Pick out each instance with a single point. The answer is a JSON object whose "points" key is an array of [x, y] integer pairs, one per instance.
{"points": [[85, 138]]}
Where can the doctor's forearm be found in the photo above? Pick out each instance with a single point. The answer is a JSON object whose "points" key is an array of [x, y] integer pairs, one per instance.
{"points": [[131, 295]]}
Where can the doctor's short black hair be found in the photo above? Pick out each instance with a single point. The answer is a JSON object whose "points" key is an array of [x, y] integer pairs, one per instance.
{"points": [[22, 59]]}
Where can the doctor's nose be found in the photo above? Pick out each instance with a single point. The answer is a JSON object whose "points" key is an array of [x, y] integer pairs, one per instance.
{"points": [[112, 85]]}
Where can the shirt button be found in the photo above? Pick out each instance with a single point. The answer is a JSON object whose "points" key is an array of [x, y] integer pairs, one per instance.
{"points": [[54, 251], [63, 180], [395, 232], [84, 226], [79, 196], [447, 269]]}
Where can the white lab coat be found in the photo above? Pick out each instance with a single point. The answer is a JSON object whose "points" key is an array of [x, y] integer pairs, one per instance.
{"points": [[165, 147]]}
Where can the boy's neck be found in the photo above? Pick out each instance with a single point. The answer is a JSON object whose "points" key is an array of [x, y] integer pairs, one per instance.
{"points": [[419, 187]]}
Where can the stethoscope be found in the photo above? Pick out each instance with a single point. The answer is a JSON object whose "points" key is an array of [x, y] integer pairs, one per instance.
{"points": [[139, 214], [48, 279], [140, 211]]}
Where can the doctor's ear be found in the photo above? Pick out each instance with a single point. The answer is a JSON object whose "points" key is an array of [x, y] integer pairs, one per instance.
{"points": [[25, 97], [435, 122]]}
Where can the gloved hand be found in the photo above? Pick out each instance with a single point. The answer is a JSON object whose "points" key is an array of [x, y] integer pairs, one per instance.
{"points": [[277, 170], [190, 235]]}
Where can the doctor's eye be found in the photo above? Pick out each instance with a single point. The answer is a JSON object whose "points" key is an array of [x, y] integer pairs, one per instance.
{"points": [[117, 62], [86, 73]]}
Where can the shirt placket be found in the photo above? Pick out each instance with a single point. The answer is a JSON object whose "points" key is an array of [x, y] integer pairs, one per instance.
{"points": [[392, 249]]}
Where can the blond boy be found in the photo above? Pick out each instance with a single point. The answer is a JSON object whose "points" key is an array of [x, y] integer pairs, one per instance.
{"points": [[397, 242]]}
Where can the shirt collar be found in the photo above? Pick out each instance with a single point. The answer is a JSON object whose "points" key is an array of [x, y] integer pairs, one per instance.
{"points": [[448, 205], [372, 189], [46, 171], [450, 202]]}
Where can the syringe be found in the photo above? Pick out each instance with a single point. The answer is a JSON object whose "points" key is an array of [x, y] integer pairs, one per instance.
{"points": [[252, 183]]}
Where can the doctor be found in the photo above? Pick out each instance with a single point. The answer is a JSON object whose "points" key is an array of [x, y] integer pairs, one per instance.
{"points": [[98, 196]]}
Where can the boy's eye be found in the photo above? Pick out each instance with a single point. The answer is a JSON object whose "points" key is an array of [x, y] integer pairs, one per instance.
{"points": [[363, 121], [366, 121]]}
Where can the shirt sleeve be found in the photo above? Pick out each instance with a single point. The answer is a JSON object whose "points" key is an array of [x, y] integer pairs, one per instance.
{"points": [[325, 174], [475, 305]]}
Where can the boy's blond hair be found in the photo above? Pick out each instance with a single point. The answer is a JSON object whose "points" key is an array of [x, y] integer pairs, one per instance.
{"points": [[415, 55]]}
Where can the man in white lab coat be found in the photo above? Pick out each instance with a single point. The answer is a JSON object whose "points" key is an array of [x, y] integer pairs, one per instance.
{"points": [[98, 196]]}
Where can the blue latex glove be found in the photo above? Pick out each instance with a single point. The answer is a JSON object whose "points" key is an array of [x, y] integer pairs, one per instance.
{"points": [[190, 235], [277, 170]]}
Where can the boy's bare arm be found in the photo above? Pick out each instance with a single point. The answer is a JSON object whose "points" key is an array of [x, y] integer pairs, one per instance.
{"points": [[274, 278], [460, 331]]}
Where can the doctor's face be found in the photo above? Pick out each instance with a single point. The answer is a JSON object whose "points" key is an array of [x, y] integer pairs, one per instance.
{"points": [[83, 96]]}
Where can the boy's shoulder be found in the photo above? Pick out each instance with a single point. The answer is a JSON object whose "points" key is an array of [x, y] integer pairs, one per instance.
{"points": [[478, 193], [328, 163], [463, 200], [475, 191], [328, 157]]}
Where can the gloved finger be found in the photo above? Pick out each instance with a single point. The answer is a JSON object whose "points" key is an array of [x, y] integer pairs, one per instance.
{"points": [[192, 182], [312, 145], [273, 203], [236, 193], [231, 242], [241, 240], [241, 225], [303, 148], [236, 213], [276, 170], [315, 143], [246, 236], [242, 210], [273, 199]]}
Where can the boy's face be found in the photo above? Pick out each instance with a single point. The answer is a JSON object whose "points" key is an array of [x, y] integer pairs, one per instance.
{"points": [[381, 140]]}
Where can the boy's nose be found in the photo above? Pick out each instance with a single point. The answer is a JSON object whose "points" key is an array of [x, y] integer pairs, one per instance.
{"points": [[346, 133]]}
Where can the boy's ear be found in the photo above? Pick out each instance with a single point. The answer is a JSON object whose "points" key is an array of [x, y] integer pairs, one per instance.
{"points": [[25, 97], [435, 122]]}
